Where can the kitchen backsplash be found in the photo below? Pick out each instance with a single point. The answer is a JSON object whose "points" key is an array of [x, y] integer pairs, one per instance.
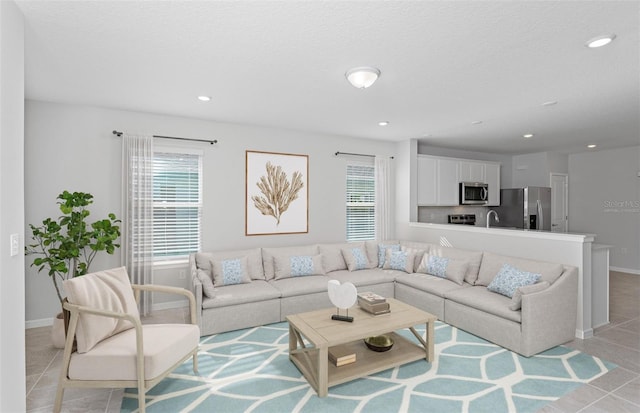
{"points": [[438, 215]]}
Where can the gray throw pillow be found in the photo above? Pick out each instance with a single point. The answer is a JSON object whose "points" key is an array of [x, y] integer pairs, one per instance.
{"points": [[207, 283]]}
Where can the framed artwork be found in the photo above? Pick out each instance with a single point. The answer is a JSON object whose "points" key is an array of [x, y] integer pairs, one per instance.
{"points": [[277, 193]]}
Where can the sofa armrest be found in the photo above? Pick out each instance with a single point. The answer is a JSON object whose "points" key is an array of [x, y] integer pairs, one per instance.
{"points": [[549, 316]]}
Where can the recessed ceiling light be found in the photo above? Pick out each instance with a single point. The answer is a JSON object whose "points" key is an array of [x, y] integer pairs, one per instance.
{"points": [[528, 135], [591, 146], [550, 103], [204, 98], [600, 41], [362, 77], [383, 123], [476, 122]]}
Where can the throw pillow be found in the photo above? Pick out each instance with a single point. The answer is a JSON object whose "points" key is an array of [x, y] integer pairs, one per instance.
{"points": [[418, 253], [231, 271], [298, 266], [399, 261], [509, 279], [207, 283], [516, 300], [450, 268], [356, 258], [382, 252], [105, 290]]}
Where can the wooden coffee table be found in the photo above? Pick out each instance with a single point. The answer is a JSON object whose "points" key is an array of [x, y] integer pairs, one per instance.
{"points": [[321, 332]]}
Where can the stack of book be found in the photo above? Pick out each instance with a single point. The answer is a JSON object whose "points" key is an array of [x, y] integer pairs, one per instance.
{"points": [[341, 355], [373, 303]]}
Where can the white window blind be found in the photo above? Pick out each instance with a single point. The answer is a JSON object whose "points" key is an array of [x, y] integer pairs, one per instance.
{"points": [[361, 217], [177, 204]]}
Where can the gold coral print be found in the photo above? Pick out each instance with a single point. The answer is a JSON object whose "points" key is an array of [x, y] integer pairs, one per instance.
{"points": [[277, 192]]}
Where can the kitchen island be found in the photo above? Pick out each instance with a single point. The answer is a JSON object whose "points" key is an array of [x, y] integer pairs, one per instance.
{"points": [[563, 248]]}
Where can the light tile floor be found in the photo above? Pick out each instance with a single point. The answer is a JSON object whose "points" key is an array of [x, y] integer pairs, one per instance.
{"points": [[617, 391]]}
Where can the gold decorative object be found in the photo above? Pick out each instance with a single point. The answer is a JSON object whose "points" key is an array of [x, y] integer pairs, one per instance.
{"points": [[379, 343], [278, 192]]}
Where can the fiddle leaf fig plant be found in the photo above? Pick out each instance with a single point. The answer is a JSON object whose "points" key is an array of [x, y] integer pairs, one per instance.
{"points": [[66, 246]]}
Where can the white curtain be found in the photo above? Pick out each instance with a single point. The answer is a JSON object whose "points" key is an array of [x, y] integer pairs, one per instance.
{"points": [[383, 202], [137, 199]]}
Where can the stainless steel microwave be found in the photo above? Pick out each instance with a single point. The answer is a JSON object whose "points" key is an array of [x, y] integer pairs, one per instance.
{"points": [[474, 193]]}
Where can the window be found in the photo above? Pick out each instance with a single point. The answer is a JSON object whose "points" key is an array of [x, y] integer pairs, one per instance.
{"points": [[361, 206], [177, 204]]}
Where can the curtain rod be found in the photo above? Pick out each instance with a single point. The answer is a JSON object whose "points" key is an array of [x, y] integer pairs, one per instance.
{"points": [[358, 154], [117, 133]]}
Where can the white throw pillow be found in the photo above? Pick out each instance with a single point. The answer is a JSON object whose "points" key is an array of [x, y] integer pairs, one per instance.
{"points": [[450, 268], [108, 290], [207, 283], [399, 261], [298, 266], [230, 271], [356, 258]]}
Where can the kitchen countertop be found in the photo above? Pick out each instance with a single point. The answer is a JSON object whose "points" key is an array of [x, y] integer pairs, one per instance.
{"points": [[516, 232]]}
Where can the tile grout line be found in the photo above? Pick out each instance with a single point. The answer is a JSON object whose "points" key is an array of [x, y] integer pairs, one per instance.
{"points": [[35, 384]]}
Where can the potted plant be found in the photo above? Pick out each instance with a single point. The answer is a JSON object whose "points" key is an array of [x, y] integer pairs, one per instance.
{"points": [[66, 246]]}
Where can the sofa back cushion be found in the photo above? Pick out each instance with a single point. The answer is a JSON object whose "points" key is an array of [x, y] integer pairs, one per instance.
{"points": [[332, 255], [268, 255], [254, 261], [492, 264], [373, 250], [474, 258]]}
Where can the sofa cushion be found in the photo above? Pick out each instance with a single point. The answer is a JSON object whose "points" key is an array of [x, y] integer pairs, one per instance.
{"points": [[332, 255], [371, 248], [516, 300], [207, 283], [363, 278], [399, 261], [298, 266], [510, 278], [268, 255], [492, 263], [108, 290], [450, 268], [257, 290], [429, 283], [382, 252], [418, 253], [480, 298], [356, 258], [290, 287], [254, 261], [473, 257]]}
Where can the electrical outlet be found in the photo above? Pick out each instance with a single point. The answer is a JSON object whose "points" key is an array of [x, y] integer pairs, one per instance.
{"points": [[15, 244], [182, 275]]}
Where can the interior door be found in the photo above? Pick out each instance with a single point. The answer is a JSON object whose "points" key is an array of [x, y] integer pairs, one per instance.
{"points": [[559, 202]]}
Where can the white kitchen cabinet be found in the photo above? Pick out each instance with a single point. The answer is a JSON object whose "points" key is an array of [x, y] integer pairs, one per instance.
{"points": [[427, 180], [471, 171], [448, 182], [492, 178]]}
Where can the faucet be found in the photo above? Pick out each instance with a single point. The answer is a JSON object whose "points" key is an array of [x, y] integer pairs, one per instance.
{"points": [[489, 217]]}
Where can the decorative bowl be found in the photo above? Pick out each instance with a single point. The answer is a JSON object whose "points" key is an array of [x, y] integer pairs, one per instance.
{"points": [[379, 343]]}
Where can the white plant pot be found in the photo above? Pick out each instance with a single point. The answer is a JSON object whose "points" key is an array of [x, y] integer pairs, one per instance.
{"points": [[57, 331]]}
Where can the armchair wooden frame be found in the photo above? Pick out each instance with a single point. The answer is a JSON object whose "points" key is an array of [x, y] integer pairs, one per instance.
{"points": [[141, 383]]}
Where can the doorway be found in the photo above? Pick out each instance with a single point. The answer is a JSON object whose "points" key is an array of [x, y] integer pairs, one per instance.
{"points": [[559, 202]]}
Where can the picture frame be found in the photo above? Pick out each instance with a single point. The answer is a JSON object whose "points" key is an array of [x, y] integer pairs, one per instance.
{"points": [[276, 193]]}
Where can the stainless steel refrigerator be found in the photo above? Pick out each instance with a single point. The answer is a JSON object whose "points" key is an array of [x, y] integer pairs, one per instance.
{"points": [[526, 208]]}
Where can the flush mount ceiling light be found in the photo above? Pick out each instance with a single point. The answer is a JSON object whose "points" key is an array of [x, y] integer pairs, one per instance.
{"points": [[591, 146], [476, 122], [383, 123], [362, 77], [550, 103], [527, 135], [600, 41], [204, 98]]}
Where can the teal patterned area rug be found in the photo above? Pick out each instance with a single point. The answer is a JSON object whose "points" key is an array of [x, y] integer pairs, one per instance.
{"points": [[249, 371]]}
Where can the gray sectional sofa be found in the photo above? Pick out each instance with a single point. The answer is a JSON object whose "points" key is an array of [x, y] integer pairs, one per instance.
{"points": [[268, 284]]}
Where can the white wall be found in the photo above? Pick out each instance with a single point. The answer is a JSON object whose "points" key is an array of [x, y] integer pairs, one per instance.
{"points": [[12, 350], [604, 199], [534, 169], [71, 147]]}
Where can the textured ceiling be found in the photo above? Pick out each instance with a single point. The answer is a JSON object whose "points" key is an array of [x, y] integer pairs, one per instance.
{"points": [[444, 65]]}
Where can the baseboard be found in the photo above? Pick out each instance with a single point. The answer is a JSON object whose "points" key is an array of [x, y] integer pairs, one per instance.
{"points": [[583, 334], [627, 270], [43, 322]]}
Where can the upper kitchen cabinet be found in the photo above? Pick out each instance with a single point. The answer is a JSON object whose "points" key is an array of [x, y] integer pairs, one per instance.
{"points": [[439, 179]]}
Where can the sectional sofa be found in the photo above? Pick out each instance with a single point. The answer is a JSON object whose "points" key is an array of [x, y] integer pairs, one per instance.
{"points": [[524, 305]]}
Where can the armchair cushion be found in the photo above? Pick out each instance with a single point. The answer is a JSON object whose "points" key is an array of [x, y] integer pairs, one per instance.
{"points": [[108, 290]]}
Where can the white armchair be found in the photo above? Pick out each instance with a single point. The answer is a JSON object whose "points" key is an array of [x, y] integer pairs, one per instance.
{"points": [[107, 345]]}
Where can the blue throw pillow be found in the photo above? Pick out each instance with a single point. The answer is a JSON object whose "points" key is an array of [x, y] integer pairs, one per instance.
{"points": [[399, 261], [382, 252], [437, 266], [509, 279]]}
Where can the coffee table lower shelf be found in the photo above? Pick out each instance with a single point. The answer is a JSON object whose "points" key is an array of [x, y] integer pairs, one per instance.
{"points": [[367, 361]]}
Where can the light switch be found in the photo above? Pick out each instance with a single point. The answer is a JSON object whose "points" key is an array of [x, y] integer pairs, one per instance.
{"points": [[15, 244]]}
